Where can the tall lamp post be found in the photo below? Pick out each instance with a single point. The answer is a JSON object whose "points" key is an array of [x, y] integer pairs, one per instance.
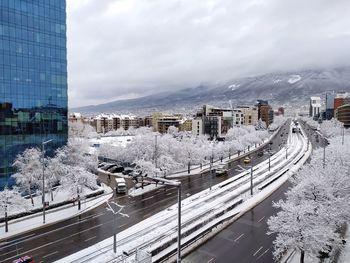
{"points": [[43, 164], [116, 211], [177, 184], [242, 169]]}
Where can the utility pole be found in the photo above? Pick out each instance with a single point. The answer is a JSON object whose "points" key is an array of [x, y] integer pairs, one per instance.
{"points": [[342, 140], [43, 164], [155, 151], [179, 224], [116, 211], [324, 155]]}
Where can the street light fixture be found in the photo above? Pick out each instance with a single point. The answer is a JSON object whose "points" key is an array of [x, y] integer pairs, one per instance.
{"points": [[43, 164], [177, 184], [116, 211]]}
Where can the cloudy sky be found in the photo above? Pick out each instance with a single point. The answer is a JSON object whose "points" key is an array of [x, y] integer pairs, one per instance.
{"points": [[120, 49]]}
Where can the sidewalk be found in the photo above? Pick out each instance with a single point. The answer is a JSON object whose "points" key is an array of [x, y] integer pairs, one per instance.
{"points": [[55, 215]]}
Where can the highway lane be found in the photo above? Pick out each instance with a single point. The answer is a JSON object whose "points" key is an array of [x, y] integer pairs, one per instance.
{"points": [[245, 240], [61, 239]]}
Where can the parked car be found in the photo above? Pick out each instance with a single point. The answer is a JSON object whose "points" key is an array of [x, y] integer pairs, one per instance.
{"points": [[25, 259], [260, 153], [116, 169], [127, 170]]}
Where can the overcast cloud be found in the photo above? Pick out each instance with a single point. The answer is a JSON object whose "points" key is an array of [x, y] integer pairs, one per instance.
{"points": [[121, 49]]}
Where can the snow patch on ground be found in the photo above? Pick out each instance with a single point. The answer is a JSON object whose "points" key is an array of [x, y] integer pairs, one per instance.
{"points": [[275, 81], [294, 79], [147, 188], [234, 86]]}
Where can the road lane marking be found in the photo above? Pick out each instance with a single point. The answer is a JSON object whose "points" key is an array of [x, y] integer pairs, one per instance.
{"points": [[86, 240], [16, 250], [147, 198], [263, 253], [210, 260], [53, 253], [12, 242], [122, 225], [261, 219], [239, 237], [256, 252], [169, 194]]}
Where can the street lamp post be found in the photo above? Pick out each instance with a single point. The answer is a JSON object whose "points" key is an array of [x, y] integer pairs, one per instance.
{"points": [[43, 164], [117, 211], [242, 169], [177, 184]]}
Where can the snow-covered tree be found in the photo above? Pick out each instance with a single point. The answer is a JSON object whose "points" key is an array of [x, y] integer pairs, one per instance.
{"points": [[317, 206], [260, 125], [11, 200], [53, 174], [78, 129], [76, 152], [76, 180], [28, 167], [172, 130]]}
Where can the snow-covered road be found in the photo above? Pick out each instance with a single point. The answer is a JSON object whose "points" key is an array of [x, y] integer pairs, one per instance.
{"points": [[200, 212]]}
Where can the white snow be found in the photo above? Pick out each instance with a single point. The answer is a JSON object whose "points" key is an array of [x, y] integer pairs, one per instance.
{"points": [[112, 140], [199, 208], [53, 215], [294, 79], [234, 86], [275, 81]]}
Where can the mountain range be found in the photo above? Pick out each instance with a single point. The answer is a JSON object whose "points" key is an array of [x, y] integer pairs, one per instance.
{"points": [[286, 88]]}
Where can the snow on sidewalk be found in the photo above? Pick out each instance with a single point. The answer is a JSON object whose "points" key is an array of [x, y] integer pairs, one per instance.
{"points": [[31, 222]]}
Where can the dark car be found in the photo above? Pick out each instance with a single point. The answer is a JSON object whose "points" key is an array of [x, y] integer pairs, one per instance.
{"points": [[127, 170], [260, 153], [116, 169]]}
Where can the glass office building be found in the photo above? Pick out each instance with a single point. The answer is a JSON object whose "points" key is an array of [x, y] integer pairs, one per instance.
{"points": [[33, 78]]}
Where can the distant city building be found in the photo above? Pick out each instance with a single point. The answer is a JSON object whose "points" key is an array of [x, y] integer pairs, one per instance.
{"points": [[329, 112], [161, 122], [341, 99], [33, 79], [342, 114], [197, 126], [216, 122], [185, 125], [250, 114], [75, 118], [315, 107], [265, 112], [104, 123]]}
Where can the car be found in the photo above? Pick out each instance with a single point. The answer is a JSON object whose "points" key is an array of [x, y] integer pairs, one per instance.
{"points": [[246, 160], [127, 170], [220, 170], [261, 153], [25, 259]]}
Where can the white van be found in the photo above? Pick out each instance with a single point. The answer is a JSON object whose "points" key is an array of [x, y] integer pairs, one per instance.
{"points": [[121, 185]]}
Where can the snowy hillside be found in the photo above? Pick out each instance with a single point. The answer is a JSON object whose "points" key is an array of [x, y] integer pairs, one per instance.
{"points": [[292, 88]]}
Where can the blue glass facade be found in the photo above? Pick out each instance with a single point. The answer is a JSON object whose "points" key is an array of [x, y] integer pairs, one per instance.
{"points": [[33, 78]]}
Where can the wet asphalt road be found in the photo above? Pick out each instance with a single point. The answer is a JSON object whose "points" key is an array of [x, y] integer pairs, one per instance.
{"points": [[58, 240], [245, 240]]}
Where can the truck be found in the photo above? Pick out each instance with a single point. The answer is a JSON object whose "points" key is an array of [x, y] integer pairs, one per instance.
{"points": [[121, 185]]}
